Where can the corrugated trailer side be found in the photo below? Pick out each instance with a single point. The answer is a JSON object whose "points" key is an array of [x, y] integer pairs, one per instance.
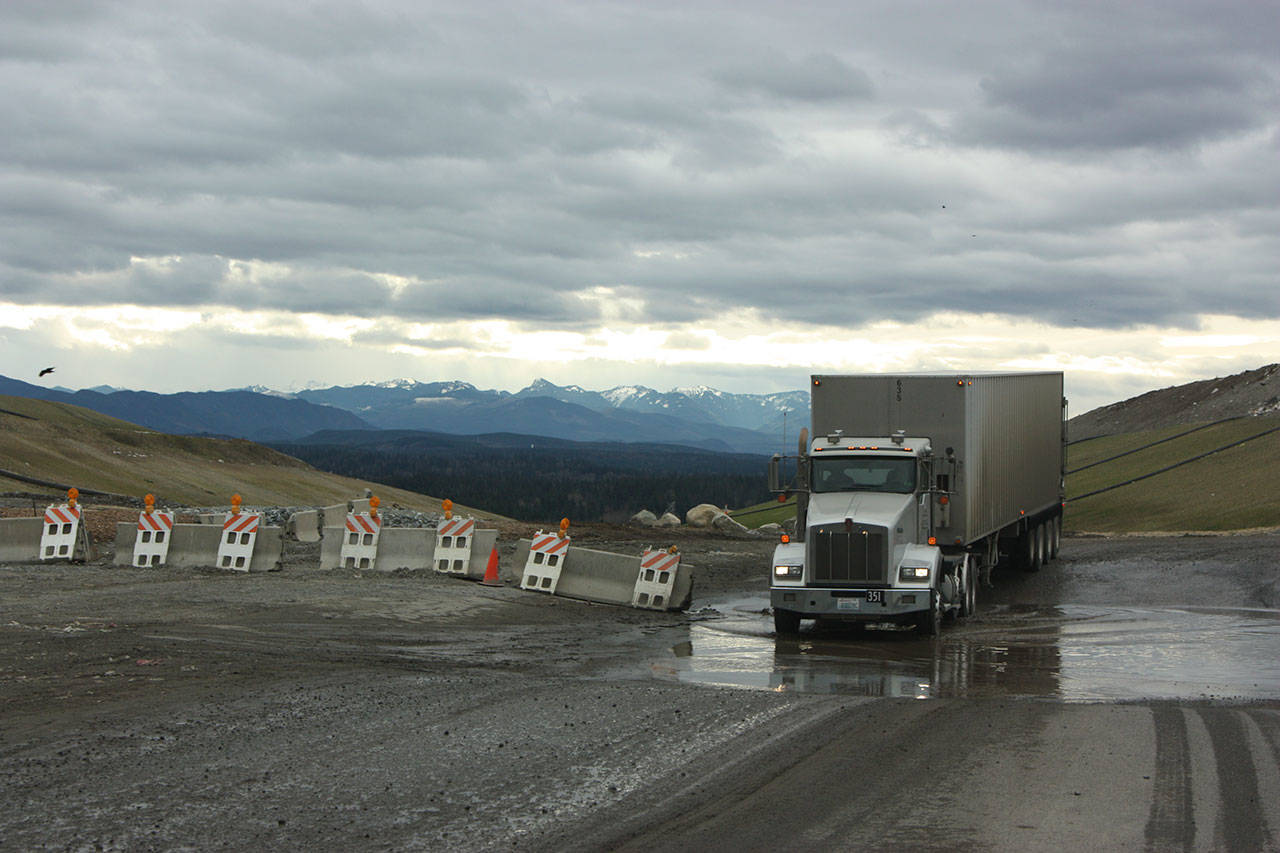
{"points": [[1005, 430], [1012, 464]]}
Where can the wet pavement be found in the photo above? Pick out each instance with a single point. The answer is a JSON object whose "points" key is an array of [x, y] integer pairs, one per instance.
{"points": [[1065, 652]]}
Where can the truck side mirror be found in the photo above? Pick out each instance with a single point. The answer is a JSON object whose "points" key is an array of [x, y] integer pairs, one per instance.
{"points": [[774, 483]]}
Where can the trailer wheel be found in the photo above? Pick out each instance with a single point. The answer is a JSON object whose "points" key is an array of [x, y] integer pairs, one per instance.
{"points": [[1055, 541], [930, 624], [785, 621], [969, 602], [1029, 550]]}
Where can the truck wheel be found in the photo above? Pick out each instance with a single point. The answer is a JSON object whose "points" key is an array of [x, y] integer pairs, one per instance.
{"points": [[930, 624], [785, 621], [969, 601], [1031, 549], [1027, 551], [1056, 540]]}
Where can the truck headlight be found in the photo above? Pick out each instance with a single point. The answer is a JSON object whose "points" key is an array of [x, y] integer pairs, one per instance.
{"points": [[788, 571], [912, 574]]}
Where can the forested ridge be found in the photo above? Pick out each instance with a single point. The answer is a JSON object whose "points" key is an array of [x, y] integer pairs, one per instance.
{"points": [[542, 480]]}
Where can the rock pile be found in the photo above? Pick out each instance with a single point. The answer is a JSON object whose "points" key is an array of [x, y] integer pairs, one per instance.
{"points": [[644, 518]]}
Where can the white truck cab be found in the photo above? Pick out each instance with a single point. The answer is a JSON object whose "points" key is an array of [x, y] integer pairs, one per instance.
{"points": [[868, 522]]}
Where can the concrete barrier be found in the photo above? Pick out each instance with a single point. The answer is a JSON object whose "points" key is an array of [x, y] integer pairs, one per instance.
{"points": [[20, 539], [195, 546], [20, 542], [304, 526], [607, 578], [336, 515], [406, 548]]}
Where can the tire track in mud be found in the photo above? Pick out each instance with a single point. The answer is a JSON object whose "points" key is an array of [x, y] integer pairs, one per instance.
{"points": [[1239, 824], [1243, 761], [1171, 825]]}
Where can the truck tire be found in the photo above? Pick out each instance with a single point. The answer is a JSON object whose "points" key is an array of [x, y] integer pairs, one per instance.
{"points": [[785, 621], [969, 599], [929, 624], [1056, 541], [1029, 550], [1044, 534]]}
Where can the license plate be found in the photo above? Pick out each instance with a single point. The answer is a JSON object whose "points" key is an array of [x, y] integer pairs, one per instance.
{"points": [[848, 604]]}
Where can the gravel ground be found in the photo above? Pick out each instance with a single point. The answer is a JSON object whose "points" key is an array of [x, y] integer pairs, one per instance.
{"points": [[164, 709]]}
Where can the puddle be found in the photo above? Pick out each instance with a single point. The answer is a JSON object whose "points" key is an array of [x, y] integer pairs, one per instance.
{"points": [[1075, 653]]}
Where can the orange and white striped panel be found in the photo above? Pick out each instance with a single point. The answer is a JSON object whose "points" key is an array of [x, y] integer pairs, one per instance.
{"points": [[58, 536], [658, 570], [360, 544], [239, 535], [454, 539], [547, 554], [151, 543]]}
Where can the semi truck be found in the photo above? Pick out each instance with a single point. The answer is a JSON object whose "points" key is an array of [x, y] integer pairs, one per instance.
{"points": [[911, 489]]}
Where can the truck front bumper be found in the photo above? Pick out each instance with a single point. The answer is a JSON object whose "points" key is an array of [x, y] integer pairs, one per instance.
{"points": [[852, 604]]}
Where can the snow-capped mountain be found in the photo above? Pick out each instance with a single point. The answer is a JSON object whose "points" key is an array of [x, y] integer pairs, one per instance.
{"points": [[699, 415]]}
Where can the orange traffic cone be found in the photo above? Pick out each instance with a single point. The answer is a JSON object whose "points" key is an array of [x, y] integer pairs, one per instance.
{"points": [[491, 570]]}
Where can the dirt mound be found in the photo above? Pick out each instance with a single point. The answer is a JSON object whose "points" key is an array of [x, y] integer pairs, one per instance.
{"points": [[1248, 394]]}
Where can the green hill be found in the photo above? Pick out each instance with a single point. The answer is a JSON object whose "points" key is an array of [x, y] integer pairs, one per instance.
{"points": [[1231, 489], [60, 443]]}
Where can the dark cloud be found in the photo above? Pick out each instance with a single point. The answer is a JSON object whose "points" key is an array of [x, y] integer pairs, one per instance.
{"points": [[833, 164], [818, 77], [1094, 98]]}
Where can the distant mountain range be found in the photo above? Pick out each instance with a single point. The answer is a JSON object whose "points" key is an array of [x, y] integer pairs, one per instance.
{"points": [[238, 414], [697, 417]]}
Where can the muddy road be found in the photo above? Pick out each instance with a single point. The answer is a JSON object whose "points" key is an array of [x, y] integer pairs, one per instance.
{"points": [[1126, 697]]}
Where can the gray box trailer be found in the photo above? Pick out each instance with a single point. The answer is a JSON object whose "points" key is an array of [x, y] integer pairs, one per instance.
{"points": [[1005, 431]]}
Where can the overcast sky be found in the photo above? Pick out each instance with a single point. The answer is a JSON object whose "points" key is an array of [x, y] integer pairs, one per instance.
{"points": [[212, 195]]}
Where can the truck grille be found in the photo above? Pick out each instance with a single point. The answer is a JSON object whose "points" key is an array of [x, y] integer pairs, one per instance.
{"points": [[847, 556]]}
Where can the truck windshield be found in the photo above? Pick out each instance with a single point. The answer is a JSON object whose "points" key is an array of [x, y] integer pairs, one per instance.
{"points": [[864, 474]]}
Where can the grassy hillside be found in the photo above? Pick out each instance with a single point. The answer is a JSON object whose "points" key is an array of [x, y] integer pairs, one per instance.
{"points": [[68, 444], [1231, 490], [1234, 489], [770, 512]]}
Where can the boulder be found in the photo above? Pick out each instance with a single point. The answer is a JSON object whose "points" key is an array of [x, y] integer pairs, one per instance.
{"points": [[644, 518], [771, 529], [669, 520], [703, 515], [725, 524]]}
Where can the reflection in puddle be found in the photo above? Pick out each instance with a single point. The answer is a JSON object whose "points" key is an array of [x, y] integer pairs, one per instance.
{"points": [[1074, 653]]}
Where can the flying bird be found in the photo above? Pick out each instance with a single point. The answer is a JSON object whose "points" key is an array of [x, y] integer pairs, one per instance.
{"points": [[46, 371]]}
